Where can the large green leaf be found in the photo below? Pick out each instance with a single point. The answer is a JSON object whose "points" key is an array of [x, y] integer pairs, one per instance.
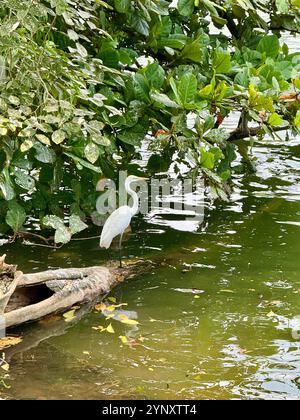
{"points": [[76, 224], [141, 87], [43, 153], [187, 88], [122, 6], [83, 162], [155, 75], [134, 135], [163, 99], [6, 185], [16, 216], [269, 45], [221, 61], [24, 180], [62, 233], [185, 7], [282, 6]]}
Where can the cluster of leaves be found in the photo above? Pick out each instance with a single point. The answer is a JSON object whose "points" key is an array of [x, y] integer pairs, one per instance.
{"points": [[83, 82]]}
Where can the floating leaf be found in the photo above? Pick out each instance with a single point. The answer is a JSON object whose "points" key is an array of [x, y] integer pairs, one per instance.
{"points": [[123, 338], [69, 316], [5, 366], [110, 329], [125, 320]]}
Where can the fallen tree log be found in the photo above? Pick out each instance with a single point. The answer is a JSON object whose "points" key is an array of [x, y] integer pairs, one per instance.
{"points": [[30, 297]]}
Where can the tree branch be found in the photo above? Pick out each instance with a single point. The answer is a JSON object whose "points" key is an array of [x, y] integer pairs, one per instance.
{"points": [[239, 134]]}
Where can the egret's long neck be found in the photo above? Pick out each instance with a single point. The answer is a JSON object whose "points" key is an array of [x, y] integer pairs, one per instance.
{"points": [[134, 209]]}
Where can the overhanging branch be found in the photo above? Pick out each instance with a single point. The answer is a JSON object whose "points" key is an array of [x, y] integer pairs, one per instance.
{"points": [[239, 133]]}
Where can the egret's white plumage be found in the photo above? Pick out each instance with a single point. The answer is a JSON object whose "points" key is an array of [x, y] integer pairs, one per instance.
{"points": [[115, 225], [120, 219]]}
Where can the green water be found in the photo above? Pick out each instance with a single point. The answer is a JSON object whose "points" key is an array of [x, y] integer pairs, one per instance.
{"points": [[230, 339]]}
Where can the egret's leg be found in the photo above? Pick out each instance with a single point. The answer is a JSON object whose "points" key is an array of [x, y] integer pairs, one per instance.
{"points": [[120, 249]]}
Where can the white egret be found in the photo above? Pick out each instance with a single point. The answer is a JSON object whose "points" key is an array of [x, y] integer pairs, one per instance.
{"points": [[120, 219]]}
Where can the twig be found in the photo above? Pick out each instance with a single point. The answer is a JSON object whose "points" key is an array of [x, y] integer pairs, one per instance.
{"points": [[35, 235]]}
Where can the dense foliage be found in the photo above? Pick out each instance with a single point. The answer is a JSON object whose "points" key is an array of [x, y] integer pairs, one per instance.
{"points": [[83, 82]]}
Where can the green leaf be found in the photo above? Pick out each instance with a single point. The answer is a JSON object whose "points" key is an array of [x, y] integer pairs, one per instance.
{"points": [[43, 139], [24, 181], [163, 99], [285, 68], [275, 119], [6, 185], [83, 162], [141, 87], [43, 153], [134, 135], [187, 88], [155, 75], [122, 6], [58, 136], [207, 159], [269, 45], [185, 7], [140, 24], [91, 152], [193, 52], [297, 120], [16, 216], [221, 61], [62, 233], [76, 224], [282, 6]]}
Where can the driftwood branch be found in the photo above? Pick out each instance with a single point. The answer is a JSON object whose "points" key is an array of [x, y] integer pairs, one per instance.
{"points": [[29, 297]]}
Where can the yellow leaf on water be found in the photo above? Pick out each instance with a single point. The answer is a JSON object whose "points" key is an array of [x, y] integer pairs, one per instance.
{"points": [[111, 308], [151, 369], [125, 320], [5, 367], [69, 316], [86, 352], [123, 338], [110, 329], [112, 299]]}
